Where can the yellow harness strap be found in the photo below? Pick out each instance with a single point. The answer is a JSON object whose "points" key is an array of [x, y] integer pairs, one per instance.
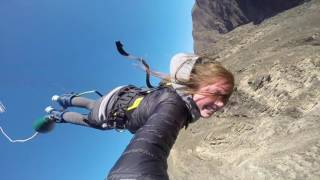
{"points": [[135, 104]]}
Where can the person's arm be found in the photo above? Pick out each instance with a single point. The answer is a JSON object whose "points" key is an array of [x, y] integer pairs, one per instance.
{"points": [[146, 155]]}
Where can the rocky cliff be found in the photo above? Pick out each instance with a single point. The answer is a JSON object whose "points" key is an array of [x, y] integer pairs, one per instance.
{"points": [[271, 127]]}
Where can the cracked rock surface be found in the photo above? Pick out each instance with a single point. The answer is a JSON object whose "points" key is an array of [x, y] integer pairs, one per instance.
{"points": [[271, 126]]}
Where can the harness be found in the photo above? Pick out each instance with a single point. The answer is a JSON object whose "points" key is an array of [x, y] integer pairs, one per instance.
{"points": [[123, 103]]}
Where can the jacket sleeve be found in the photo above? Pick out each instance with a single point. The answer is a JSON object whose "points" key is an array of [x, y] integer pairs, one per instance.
{"points": [[146, 155]]}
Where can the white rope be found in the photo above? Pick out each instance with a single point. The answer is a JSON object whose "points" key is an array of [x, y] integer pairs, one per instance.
{"points": [[2, 108], [86, 92], [18, 140]]}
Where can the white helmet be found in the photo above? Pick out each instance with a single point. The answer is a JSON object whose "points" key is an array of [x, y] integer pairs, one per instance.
{"points": [[181, 66]]}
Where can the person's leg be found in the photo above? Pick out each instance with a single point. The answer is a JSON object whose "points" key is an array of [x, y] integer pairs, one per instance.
{"points": [[90, 120], [82, 102], [93, 119], [66, 116], [75, 118], [72, 100]]}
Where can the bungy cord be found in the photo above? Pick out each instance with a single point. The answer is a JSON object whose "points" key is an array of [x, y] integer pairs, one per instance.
{"points": [[18, 140], [3, 109]]}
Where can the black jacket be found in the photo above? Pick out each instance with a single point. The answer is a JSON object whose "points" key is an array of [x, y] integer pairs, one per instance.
{"points": [[156, 124]]}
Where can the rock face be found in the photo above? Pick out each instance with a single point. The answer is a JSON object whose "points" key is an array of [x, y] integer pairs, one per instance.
{"points": [[222, 16], [271, 127]]}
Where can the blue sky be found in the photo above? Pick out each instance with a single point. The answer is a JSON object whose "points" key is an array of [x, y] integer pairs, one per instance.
{"points": [[52, 47]]}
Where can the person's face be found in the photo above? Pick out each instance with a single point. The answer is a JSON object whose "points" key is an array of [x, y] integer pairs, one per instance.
{"points": [[213, 97]]}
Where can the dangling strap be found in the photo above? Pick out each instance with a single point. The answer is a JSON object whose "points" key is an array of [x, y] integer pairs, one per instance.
{"points": [[141, 60]]}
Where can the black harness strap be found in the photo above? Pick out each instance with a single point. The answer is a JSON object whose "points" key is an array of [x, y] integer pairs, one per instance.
{"points": [[117, 117], [123, 99], [141, 60]]}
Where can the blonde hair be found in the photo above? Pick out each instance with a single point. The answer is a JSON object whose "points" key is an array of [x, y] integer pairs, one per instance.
{"points": [[205, 74], [206, 71]]}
